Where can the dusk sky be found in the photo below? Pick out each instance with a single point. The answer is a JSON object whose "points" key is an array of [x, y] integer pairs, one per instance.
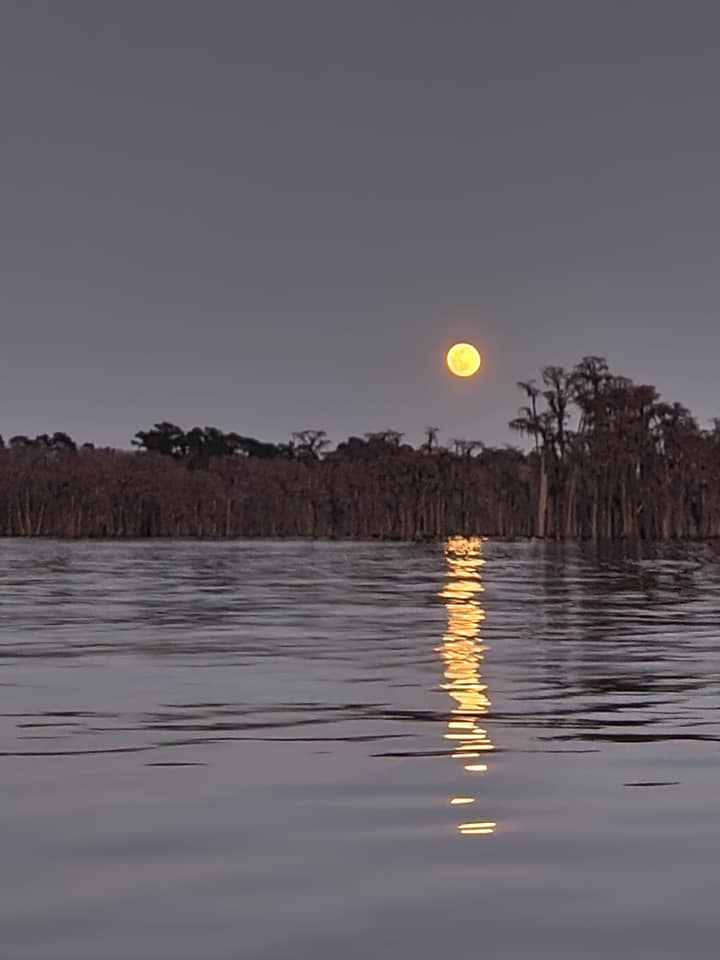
{"points": [[278, 214]]}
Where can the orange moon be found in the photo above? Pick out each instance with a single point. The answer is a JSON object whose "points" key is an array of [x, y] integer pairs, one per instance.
{"points": [[463, 360]]}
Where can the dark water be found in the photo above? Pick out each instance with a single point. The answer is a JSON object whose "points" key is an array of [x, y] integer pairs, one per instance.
{"points": [[220, 751]]}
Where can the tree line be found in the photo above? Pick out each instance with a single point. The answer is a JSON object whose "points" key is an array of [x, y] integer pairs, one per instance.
{"points": [[608, 459]]}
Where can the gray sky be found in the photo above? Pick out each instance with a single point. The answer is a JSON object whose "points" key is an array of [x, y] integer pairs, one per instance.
{"points": [[277, 214]]}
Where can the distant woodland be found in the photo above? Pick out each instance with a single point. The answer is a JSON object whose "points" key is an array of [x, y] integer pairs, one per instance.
{"points": [[604, 458]]}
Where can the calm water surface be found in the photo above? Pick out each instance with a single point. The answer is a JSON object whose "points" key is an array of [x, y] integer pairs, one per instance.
{"points": [[218, 751]]}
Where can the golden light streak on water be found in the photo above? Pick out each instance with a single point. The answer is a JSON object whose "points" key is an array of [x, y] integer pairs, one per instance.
{"points": [[462, 652]]}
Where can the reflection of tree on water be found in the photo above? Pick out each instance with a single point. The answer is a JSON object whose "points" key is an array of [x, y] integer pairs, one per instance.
{"points": [[463, 652]]}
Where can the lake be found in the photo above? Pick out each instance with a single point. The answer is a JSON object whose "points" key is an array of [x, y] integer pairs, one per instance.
{"points": [[319, 750]]}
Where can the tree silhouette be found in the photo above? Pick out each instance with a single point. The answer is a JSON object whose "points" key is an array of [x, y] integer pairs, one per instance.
{"points": [[608, 458], [166, 438], [309, 444]]}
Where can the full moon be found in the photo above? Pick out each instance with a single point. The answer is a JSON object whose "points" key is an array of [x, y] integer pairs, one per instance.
{"points": [[463, 360]]}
